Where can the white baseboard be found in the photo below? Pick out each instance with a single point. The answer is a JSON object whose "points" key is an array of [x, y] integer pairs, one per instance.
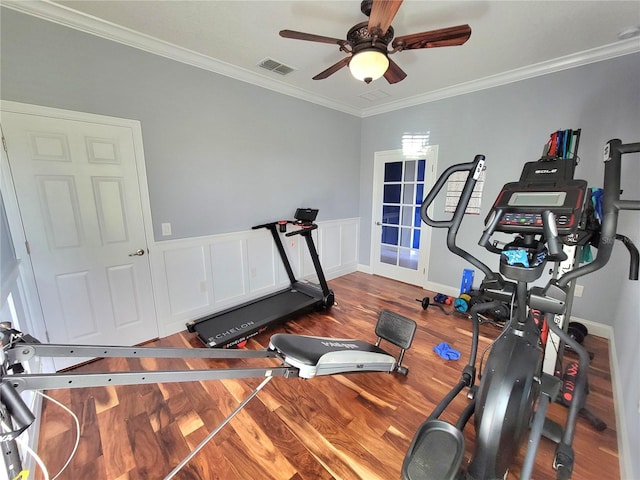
{"points": [[596, 329], [440, 288], [364, 269]]}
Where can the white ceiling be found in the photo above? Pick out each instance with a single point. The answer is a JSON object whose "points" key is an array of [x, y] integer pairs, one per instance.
{"points": [[510, 40]]}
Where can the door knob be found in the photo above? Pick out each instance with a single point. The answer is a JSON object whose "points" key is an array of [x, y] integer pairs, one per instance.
{"points": [[378, 223], [137, 253]]}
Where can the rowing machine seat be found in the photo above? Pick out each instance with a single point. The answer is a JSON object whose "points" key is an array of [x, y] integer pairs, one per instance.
{"points": [[316, 356]]}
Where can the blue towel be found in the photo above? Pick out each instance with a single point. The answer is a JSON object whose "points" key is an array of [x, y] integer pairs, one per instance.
{"points": [[597, 199], [445, 351]]}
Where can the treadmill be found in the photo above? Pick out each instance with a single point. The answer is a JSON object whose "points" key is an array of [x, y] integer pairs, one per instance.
{"points": [[234, 326]]}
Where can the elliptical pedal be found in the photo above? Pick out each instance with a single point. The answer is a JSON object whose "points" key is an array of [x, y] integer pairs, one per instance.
{"points": [[435, 453]]}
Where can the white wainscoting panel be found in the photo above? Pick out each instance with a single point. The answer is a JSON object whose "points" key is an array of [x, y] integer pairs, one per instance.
{"points": [[332, 255], [262, 258], [348, 248], [186, 276], [228, 280], [196, 277]]}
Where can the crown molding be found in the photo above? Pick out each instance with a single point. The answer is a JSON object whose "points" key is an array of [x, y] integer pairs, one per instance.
{"points": [[597, 54], [62, 15]]}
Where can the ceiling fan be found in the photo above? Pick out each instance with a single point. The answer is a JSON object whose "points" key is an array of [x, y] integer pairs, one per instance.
{"points": [[367, 43]]}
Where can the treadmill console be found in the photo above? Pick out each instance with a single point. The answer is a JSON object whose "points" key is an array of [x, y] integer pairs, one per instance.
{"points": [[306, 215]]}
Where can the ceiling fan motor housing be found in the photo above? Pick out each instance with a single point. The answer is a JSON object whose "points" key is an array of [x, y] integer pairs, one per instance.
{"points": [[360, 39]]}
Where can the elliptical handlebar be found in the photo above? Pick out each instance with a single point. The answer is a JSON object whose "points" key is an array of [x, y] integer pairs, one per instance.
{"points": [[612, 204], [474, 168], [634, 261], [551, 236], [493, 222]]}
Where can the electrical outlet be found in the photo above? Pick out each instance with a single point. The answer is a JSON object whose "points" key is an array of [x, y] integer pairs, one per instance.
{"points": [[166, 229], [578, 290]]}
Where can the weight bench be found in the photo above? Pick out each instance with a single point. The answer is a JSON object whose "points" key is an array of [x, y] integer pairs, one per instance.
{"points": [[314, 356]]}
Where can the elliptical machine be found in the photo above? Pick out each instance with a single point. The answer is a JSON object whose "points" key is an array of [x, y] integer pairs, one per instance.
{"points": [[514, 392]]}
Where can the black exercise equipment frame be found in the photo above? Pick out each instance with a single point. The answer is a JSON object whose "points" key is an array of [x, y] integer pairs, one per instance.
{"points": [[233, 326], [513, 395]]}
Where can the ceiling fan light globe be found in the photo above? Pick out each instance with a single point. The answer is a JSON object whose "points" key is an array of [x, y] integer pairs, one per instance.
{"points": [[368, 65]]}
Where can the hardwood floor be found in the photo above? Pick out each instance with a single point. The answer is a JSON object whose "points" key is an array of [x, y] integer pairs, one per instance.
{"points": [[356, 426]]}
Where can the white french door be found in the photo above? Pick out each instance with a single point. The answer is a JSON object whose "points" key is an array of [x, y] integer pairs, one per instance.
{"points": [[399, 239], [78, 192]]}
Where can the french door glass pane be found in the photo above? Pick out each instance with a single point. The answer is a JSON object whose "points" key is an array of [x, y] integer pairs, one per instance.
{"points": [[421, 165], [416, 218], [405, 237], [391, 214], [407, 216], [409, 259], [392, 193], [410, 171], [393, 172], [416, 239], [388, 255], [408, 195], [390, 235]]}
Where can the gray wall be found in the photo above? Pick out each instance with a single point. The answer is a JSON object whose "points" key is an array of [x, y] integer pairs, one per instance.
{"points": [[510, 124], [221, 155]]}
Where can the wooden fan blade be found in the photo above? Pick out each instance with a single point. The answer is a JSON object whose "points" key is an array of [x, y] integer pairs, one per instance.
{"points": [[333, 69], [394, 73], [444, 37], [310, 37], [382, 14]]}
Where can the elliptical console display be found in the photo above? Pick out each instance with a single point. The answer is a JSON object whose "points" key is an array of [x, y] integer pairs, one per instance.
{"points": [[542, 186]]}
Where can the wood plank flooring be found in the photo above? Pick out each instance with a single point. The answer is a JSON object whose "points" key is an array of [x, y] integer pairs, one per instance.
{"points": [[349, 427]]}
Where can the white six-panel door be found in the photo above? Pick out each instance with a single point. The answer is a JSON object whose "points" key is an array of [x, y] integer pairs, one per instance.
{"points": [[80, 204]]}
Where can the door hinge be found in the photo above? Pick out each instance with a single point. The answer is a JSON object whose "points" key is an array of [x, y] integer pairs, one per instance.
{"points": [[26, 244], [4, 144]]}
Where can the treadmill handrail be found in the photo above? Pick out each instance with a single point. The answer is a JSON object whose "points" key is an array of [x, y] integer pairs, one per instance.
{"points": [[302, 231]]}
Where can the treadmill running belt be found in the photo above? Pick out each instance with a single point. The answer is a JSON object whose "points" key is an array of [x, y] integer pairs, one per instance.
{"points": [[232, 326]]}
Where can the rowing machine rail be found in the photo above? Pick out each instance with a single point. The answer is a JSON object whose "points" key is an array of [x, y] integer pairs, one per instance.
{"points": [[299, 356]]}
